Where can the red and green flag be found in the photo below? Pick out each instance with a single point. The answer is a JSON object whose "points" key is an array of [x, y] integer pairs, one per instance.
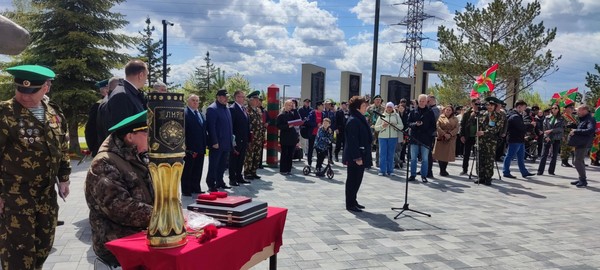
{"points": [[485, 82], [564, 98], [596, 142]]}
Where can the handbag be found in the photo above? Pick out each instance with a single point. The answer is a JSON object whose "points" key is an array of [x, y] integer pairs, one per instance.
{"points": [[577, 140]]}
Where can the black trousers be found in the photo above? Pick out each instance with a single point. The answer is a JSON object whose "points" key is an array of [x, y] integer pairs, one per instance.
{"points": [[236, 163], [546, 150], [339, 142], [469, 142], [287, 153], [192, 173], [320, 157], [353, 181], [311, 147], [459, 147], [217, 164]]}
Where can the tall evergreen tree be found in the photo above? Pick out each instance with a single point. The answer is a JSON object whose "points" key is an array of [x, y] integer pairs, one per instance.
{"points": [[201, 81], [503, 33], [151, 53], [593, 82], [77, 40]]}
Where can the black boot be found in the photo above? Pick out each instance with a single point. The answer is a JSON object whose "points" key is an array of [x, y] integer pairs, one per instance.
{"points": [[565, 163]]}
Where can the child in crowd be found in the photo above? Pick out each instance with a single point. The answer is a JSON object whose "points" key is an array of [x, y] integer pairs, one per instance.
{"points": [[322, 142]]}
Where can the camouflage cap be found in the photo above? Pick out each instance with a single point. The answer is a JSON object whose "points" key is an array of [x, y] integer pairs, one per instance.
{"points": [[132, 123], [30, 78]]}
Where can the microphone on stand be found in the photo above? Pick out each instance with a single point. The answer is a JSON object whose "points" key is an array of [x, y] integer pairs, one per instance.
{"points": [[379, 114]]}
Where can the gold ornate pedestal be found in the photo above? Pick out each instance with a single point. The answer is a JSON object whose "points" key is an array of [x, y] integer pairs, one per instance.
{"points": [[166, 151]]}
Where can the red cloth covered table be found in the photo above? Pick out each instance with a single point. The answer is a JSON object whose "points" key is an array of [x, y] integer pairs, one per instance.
{"points": [[232, 248]]}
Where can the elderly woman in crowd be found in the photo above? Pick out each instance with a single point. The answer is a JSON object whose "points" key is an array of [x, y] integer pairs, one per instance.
{"points": [[445, 145], [389, 128]]}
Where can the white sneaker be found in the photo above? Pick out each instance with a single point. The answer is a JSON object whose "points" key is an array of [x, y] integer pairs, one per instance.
{"points": [[380, 174]]}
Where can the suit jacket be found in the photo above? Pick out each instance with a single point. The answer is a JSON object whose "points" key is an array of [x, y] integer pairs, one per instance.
{"points": [[124, 101], [287, 134], [241, 125], [219, 127], [358, 142], [195, 133]]}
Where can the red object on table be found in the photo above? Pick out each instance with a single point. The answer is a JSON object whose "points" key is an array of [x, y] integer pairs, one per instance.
{"points": [[231, 249], [229, 201]]}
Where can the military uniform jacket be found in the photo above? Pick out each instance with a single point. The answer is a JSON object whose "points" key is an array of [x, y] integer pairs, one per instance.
{"points": [[118, 192], [491, 124], [34, 154], [256, 125]]}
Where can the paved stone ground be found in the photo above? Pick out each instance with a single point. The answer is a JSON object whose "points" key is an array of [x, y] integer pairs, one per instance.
{"points": [[537, 223]]}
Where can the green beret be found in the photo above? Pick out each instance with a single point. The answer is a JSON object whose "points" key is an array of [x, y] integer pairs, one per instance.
{"points": [[131, 124], [254, 94], [30, 78], [101, 84], [493, 100]]}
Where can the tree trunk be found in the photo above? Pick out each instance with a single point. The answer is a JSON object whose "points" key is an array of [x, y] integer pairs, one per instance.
{"points": [[74, 137]]}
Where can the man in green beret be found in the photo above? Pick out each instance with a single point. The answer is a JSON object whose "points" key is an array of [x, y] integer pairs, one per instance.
{"points": [[253, 157], [34, 146], [118, 189]]}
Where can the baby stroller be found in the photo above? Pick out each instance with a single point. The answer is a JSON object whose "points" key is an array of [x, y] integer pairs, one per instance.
{"points": [[327, 170]]}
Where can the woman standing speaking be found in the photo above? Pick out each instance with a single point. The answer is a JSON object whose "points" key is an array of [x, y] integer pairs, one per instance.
{"points": [[357, 150]]}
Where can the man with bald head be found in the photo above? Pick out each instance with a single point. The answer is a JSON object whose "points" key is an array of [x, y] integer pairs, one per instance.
{"points": [[129, 99], [195, 147]]}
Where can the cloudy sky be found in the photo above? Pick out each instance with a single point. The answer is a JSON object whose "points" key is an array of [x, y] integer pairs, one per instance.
{"points": [[267, 41]]}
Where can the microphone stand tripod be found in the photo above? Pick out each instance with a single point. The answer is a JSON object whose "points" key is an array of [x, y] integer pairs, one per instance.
{"points": [[405, 207]]}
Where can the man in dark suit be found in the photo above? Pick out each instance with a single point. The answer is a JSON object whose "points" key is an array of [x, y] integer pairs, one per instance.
{"points": [[220, 133], [340, 121], [195, 148], [91, 133], [241, 131], [127, 100]]}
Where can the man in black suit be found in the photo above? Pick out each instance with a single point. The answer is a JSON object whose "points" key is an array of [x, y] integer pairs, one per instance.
{"points": [[241, 131], [219, 127], [127, 100], [195, 147]]}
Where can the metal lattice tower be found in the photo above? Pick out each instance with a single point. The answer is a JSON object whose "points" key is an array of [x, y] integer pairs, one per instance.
{"points": [[414, 35]]}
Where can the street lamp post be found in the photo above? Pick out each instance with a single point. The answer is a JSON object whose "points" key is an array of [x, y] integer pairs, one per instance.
{"points": [[164, 23], [284, 91]]}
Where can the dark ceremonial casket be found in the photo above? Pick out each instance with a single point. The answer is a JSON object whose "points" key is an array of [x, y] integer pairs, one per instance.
{"points": [[237, 216]]}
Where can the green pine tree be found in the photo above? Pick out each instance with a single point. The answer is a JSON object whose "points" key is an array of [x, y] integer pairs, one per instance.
{"points": [[77, 40], [202, 81], [593, 82], [506, 32]]}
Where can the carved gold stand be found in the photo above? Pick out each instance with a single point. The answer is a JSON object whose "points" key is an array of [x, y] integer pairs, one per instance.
{"points": [[166, 140]]}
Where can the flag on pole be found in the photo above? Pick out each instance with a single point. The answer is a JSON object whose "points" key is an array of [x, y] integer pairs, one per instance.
{"points": [[485, 82], [564, 98]]}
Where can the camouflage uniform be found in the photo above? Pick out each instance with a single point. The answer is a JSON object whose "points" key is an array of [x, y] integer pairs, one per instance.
{"points": [[491, 124], [372, 119], [34, 156], [119, 194], [566, 150], [253, 156]]}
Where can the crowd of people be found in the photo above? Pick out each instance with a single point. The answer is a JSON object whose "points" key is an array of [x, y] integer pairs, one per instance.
{"points": [[119, 192]]}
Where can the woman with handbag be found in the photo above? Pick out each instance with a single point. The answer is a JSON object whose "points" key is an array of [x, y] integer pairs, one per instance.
{"points": [[553, 128], [445, 145]]}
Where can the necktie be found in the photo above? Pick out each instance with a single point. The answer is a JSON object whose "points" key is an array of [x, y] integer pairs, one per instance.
{"points": [[198, 116], [244, 111]]}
